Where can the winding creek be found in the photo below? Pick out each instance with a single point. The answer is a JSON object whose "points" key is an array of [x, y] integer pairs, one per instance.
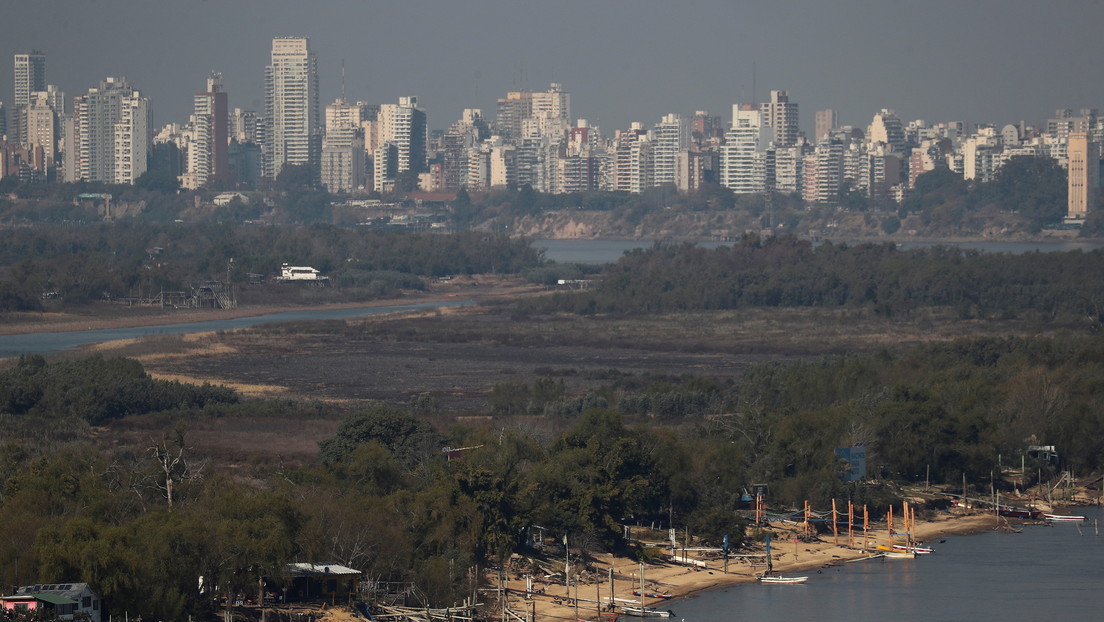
{"points": [[45, 343]]}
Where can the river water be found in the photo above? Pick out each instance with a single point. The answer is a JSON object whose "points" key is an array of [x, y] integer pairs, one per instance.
{"points": [[44, 343], [1043, 574]]}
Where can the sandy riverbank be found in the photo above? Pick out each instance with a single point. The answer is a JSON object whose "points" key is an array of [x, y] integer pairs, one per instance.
{"points": [[552, 601]]}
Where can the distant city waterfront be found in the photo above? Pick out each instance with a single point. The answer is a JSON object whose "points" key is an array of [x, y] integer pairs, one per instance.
{"points": [[609, 251]]}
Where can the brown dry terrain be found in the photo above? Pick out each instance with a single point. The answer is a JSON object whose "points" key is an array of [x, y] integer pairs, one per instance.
{"points": [[458, 355], [447, 362]]}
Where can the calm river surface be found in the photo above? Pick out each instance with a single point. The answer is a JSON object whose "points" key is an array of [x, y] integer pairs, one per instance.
{"points": [[1044, 574], [42, 343]]}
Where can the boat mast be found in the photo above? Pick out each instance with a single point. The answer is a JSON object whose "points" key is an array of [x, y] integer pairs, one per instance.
{"points": [[770, 565]]}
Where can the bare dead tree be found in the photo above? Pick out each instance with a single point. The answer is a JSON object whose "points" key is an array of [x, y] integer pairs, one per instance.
{"points": [[171, 454]]}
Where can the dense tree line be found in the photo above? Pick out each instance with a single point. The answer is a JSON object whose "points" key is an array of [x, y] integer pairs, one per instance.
{"points": [[383, 497], [93, 262], [96, 390], [789, 272]]}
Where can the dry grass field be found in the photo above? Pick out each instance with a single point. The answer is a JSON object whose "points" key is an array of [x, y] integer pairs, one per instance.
{"points": [[447, 362]]}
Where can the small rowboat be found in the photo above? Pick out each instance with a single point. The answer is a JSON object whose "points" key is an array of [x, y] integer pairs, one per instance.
{"points": [[647, 612], [1063, 517], [775, 579]]}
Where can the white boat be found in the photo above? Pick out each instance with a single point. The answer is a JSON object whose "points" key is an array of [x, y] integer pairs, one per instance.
{"points": [[647, 612], [913, 548], [1063, 517], [899, 555], [777, 579], [774, 578], [643, 611]]}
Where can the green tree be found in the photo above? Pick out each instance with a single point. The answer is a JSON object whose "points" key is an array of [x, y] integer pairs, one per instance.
{"points": [[158, 181], [410, 439]]}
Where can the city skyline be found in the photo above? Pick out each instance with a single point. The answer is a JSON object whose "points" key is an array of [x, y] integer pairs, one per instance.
{"points": [[621, 61]]}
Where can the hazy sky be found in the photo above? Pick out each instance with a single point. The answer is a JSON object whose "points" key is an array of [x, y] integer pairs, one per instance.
{"points": [[996, 61]]}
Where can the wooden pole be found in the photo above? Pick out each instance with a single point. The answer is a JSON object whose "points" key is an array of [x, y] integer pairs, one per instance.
{"points": [[835, 524], [866, 525], [850, 523], [611, 600], [576, 598], [889, 526]]}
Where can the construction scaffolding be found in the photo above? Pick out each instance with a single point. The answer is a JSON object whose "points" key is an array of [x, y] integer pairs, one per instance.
{"points": [[209, 295]]}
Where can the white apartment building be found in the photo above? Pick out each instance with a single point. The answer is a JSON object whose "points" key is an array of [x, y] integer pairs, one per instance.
{"points": [[744, 155], [111, 134], [978, 153], [132, 138], [461, 138], [669, 137], [343, 159], [823, 171], [42, 126], [292, 112], [780, 114], [887, 128], [343, 114], [492, 163], [403, 125], [29, 73], [632, 160], [789, 169], [244, 126], [208, 156], [29, 76]]}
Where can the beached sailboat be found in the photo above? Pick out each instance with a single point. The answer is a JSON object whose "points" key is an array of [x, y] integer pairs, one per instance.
{"points": [[770, 576], [643, 611], [919, 549], [894, 550]]}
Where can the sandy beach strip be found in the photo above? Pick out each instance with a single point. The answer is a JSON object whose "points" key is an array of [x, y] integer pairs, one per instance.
{"points": [[550, 600]]}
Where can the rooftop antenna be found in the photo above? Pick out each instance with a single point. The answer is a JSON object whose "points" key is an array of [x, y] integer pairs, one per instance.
{"points": [[343, 80], [752, 83]]}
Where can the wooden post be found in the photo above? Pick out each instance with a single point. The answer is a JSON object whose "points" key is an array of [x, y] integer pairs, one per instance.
{"points": [[866, 525], [835, 524], [806, 517], [907, 524], [612, 597], [850, 524], [576, 598], [889, 526]]}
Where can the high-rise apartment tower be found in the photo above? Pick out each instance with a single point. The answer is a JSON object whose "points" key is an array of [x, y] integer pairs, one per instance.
{"points": [[292, 106]]}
